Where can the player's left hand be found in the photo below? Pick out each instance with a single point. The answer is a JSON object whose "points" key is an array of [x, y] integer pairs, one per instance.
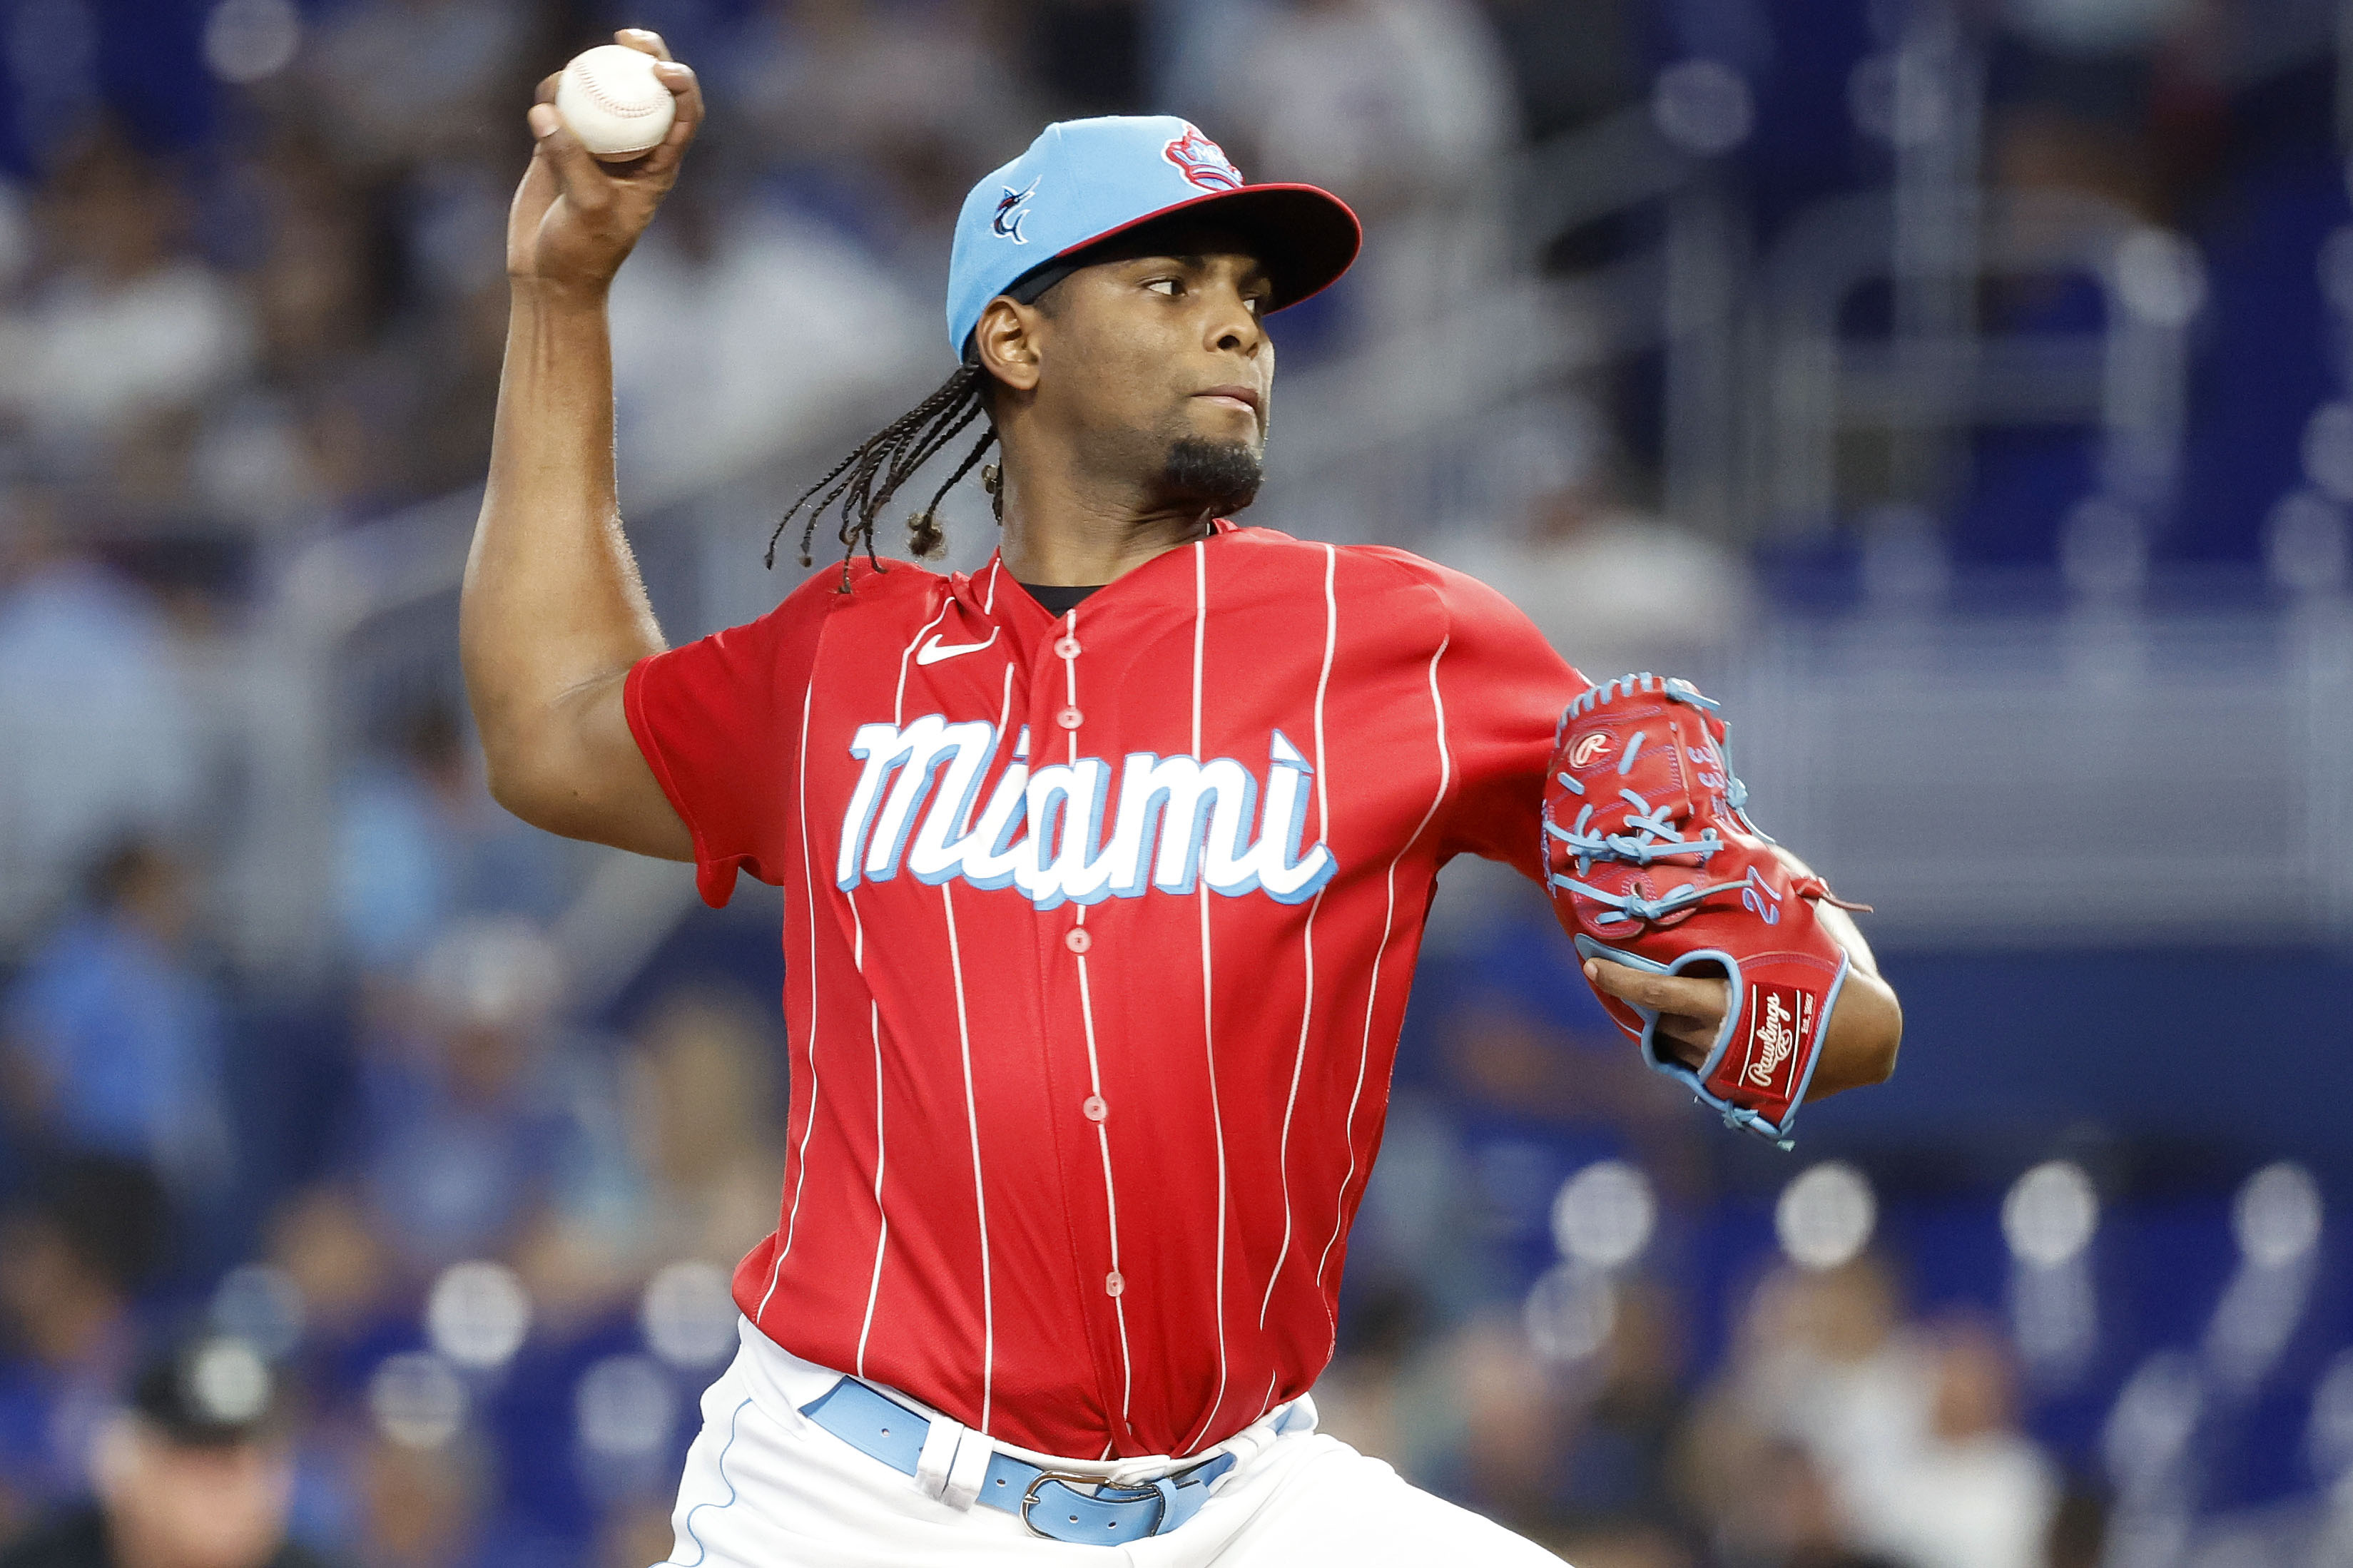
{"points": [[1691, 1009]]}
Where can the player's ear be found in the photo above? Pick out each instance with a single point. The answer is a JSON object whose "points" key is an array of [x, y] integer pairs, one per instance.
{"points": [[1007, 338]]}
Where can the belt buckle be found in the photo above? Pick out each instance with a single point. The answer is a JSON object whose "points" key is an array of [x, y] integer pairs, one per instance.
{"points": [[1069, 1478]]}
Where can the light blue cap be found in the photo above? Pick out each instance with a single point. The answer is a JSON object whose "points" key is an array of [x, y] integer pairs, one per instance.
{"points": [[1086, 180]]}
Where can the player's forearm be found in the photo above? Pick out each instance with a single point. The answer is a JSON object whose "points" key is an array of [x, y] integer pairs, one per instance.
{"points": [[553, 612], [1867, 1028]]}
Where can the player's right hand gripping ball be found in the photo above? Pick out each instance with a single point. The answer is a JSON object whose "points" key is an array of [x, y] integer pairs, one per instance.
{"points": [[1652, 861]]}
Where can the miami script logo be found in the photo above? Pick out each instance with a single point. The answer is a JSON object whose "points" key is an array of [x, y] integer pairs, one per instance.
{"points": [[1060, 834]]}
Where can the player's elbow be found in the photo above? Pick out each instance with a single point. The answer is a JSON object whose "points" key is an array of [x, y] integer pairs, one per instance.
{"points": [[530, 750], [515, 784], [512, 784], [527, 778], [544, 794]]}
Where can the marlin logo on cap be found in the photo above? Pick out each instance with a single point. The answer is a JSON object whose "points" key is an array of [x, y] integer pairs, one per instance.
{"points": [[1011, 212], [1203, 161]]}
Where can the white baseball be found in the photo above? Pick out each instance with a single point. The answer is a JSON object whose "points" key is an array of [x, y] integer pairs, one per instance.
{"points": [[611, 99]]}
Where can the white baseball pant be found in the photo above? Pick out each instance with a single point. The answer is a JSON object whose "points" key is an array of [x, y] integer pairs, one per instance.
{"points": [[766, 1487]]}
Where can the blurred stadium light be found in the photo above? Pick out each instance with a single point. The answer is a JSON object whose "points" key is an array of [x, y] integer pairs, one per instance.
{"points": [[2048, 1219], [1570, 1312], [418, 1400], [1825, 1217], [1604, 1216], [2276, 1221], [689, 1315], [478, 1315]]}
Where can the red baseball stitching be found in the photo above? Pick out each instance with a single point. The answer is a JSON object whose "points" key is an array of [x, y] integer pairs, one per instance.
{"points": [[596, 90]]}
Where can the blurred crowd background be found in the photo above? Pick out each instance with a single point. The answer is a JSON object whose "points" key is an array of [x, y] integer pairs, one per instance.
{"points": [[1958, 387]]}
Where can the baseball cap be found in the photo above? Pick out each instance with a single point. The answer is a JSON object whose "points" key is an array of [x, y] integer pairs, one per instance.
{"points": [[1085, 181], [207, 1390]]}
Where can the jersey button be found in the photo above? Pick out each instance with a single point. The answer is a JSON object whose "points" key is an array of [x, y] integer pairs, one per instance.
{"points": [[1095, 1108], [1067, 647], [1070, 718], [1076, 940], [1113, 1284]]}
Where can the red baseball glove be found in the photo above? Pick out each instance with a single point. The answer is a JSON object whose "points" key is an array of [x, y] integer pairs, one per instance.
{"points": [[1653, 862]]}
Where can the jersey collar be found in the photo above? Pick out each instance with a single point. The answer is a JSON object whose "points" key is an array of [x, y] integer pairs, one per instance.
{"points": [[992, 593]]}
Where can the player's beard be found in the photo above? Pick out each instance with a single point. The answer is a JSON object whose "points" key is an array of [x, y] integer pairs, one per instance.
{"points": [[1219, 476]]}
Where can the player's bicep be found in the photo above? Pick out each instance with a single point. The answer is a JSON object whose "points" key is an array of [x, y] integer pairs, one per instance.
{"points": [[584, 775]]}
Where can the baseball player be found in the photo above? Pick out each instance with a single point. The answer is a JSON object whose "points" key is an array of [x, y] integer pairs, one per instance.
{"points": [[1104, 868]]}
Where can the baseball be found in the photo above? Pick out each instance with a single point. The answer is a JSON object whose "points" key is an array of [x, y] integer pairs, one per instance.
{"points": [[611, 99]]}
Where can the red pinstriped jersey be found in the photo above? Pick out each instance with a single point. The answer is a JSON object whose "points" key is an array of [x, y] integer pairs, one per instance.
{"points": [[1098, 930]]}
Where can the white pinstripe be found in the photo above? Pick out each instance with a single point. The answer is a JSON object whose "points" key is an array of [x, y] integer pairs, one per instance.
{"points": [[808, 895], [1094, 1064], [882, 1155], [971, 1116], [874, 1023], [1110, 1194], [1373, 994], [1307, 1008], [1209, 988], [979, 1192], [1005, 704]]}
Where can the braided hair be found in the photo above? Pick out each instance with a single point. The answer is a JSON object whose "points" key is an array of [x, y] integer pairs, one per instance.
{"points": [[862, 483]]}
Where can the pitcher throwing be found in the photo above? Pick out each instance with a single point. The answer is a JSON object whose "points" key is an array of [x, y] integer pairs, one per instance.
{"points": [[1104, 870]]}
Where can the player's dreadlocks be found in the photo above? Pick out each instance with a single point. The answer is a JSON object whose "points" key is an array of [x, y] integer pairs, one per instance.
{"points": [[863, 482]]}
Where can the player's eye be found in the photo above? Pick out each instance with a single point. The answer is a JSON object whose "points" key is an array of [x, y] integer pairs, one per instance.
{"points": [[1172, 287]]}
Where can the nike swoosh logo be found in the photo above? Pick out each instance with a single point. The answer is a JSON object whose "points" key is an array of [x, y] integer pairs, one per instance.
{"points": [[935, 650]]}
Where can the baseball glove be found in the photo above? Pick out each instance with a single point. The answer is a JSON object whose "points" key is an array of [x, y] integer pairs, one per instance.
{"points": [[1652, 861]]}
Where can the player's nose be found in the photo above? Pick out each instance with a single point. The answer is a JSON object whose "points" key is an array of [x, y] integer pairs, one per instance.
{"points": [[1232, 325]]}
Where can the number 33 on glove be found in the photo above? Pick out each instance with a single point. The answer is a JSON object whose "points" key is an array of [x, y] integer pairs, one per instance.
{"points": [[1653, 862]]}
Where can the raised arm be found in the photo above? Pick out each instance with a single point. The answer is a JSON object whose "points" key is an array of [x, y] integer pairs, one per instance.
{"points": [[553, 612]]}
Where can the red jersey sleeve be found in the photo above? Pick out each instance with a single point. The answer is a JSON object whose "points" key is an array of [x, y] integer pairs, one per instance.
{"points": [[1505, 687], [719, 722]]}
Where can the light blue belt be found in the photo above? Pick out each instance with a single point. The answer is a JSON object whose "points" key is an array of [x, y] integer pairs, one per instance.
{"points": [[1046, 1500]]}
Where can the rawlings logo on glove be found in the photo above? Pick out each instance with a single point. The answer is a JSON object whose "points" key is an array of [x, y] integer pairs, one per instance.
{"points": [[1653, 862]]}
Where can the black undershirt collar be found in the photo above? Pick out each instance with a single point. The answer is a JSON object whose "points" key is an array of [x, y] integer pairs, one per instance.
{"points": [[1060, 599]]}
